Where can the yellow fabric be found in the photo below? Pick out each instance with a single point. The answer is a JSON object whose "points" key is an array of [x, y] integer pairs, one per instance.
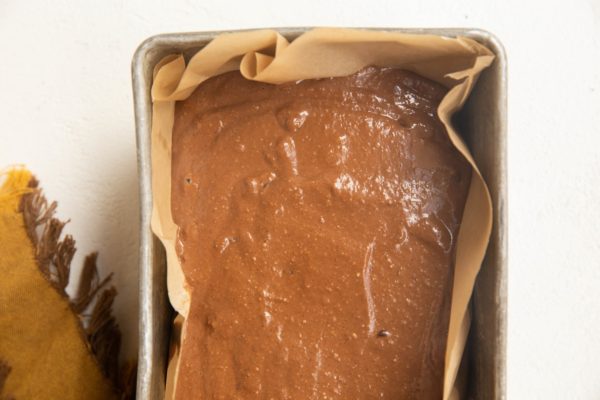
{"points": [[40, 336]]}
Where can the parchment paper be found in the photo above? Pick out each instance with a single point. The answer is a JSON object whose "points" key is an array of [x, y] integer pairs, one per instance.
{"points": [[266, 56]]}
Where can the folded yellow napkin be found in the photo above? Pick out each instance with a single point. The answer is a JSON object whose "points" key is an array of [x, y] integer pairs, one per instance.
{"points": [[51, 346]]}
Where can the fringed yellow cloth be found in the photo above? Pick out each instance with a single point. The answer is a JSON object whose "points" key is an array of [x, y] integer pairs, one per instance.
{"points": [[51, 346]]}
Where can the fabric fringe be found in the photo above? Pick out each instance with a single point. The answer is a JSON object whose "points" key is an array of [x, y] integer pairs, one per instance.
{"points": [[89, 284], [54, 257], [4, 371], [104, 336], [128, 381]]}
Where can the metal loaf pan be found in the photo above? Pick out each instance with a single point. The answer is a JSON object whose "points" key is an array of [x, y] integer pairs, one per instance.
{"points": [[482, 123]]}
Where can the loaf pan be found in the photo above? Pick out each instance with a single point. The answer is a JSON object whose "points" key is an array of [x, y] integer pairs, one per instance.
{"points": [[482, 123]]}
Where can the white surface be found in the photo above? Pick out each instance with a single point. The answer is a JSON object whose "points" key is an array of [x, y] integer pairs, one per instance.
{"points": [[66, 112]]}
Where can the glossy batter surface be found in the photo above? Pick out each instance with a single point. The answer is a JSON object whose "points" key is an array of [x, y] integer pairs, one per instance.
{"points": [[317, 231]]}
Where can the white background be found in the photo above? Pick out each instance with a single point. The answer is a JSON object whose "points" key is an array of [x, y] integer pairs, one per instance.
{"points": [[66, 112]]}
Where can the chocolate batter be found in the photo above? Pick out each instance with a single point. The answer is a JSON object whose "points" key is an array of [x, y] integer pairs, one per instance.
{"points": [[317, 230]]}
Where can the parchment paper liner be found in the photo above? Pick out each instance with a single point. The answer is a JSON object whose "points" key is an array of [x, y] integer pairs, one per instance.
{"points": [[266, 56]]}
